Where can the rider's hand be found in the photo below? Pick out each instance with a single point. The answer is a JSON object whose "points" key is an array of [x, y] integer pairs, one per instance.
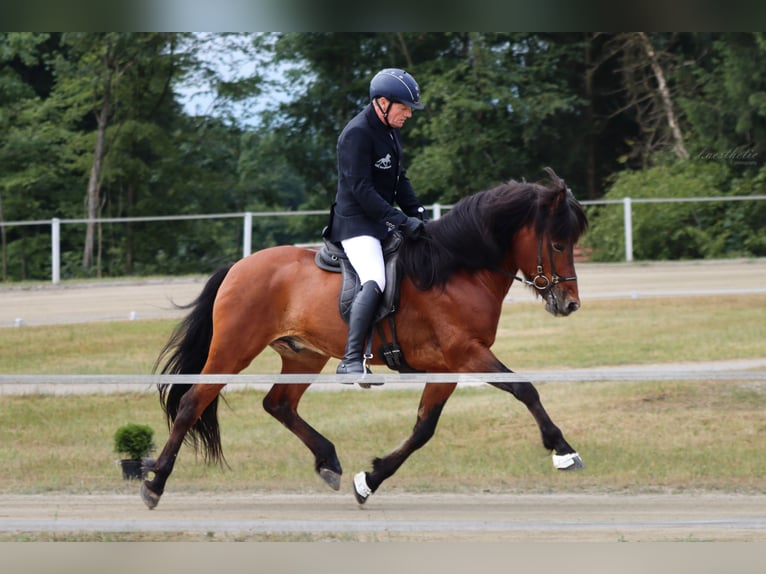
{"points": [[413, 228]]}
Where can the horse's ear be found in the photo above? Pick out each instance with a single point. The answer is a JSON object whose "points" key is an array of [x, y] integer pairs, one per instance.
{"points": [[556, 181], [558, 190]]}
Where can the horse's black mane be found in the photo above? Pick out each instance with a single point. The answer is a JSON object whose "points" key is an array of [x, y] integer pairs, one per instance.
{"points": [[476, 233]]}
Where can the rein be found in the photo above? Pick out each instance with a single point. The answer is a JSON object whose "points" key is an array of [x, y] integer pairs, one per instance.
{"points": [[541, 282]]}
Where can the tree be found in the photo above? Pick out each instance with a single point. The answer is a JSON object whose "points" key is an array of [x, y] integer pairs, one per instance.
{"points": [[115, 92], [668, 106], [727, 110], [495, 109], [648, 92], [33, 183], [492, 104], [94, 74]]}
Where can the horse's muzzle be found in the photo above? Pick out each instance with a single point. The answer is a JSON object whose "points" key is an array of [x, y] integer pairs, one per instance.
{"points": [[561, 303]]}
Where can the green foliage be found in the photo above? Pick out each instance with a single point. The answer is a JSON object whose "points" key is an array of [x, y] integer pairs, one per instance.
{"points": [[679, 230], [134, 440], [499, 106], [727, 111], [494, 105]]}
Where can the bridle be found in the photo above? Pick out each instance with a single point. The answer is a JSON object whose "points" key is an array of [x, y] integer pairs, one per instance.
{"points": [[541, 282]]}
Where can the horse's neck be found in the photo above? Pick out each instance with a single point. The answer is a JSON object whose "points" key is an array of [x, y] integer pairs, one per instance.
{"points": [[498, 281]]}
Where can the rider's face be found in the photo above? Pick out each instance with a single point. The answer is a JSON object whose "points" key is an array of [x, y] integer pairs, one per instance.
{"points": [[398, 114]]}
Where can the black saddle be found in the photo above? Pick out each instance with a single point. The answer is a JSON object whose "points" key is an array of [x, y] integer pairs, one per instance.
{"points": [[331, 257]]}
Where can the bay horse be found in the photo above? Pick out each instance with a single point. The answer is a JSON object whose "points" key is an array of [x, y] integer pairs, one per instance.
{"points": [[454, 281]]}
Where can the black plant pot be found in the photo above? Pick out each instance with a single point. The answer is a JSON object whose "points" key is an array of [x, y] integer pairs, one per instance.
{"points": [[132, 469]]}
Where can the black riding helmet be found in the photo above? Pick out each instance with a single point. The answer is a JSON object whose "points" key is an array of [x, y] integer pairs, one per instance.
{"points": [[397, 86]]}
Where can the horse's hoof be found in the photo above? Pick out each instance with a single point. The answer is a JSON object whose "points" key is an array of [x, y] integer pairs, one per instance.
{"points": [[331, 477], [150, 498], [570, 461], [361, 491]]}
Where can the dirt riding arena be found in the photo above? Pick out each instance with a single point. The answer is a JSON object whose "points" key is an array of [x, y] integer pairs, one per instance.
{"points": [[387, 516], [395, 516]]}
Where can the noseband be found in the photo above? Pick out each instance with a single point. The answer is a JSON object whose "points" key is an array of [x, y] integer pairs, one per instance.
{"points": [[541, 282]]}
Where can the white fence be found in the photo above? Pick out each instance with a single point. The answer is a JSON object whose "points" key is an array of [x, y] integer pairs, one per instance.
{"points": [[436, 210], [746, 371]]}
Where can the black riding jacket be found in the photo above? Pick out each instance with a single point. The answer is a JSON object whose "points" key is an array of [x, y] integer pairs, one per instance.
{"points": [[370, 180]]}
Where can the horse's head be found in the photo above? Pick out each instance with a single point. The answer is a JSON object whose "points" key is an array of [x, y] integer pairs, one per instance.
{"points": [[515, 226], [545, 247], [547, 264]]}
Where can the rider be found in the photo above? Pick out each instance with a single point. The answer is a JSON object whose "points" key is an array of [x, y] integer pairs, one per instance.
{"points": [[370, 179]]}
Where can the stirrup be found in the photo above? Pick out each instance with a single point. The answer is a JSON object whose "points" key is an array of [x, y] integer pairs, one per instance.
{"points": [[367, 357]]}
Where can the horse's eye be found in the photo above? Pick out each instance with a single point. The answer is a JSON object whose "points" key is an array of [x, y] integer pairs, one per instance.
{"points": [[558, 247]]}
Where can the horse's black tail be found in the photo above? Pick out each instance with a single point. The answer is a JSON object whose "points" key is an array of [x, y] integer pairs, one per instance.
{"points": [[185, 354]]}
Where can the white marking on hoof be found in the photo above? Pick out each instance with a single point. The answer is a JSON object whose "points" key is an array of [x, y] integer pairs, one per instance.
{"points": [[361, 490], [571, 461]]}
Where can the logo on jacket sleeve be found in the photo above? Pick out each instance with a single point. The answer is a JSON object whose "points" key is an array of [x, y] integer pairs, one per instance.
{"points": [[384, 162]]}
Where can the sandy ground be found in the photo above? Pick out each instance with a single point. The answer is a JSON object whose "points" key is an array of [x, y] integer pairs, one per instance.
{"points": [[398, 517], [386, 516]]}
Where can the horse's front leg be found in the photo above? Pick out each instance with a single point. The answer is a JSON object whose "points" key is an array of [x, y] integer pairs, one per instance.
{"points": [[432, 402], [281, 402], [564, 456]]}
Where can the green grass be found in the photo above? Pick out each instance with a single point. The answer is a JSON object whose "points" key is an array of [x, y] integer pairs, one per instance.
{"points": [[602, 333], [128, 347], [634, 331], [633, 436]]}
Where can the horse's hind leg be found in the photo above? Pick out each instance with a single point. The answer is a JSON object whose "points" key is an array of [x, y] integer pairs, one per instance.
{"points": [[432, 402], [282, 400], [192, 404], [564, 456]]}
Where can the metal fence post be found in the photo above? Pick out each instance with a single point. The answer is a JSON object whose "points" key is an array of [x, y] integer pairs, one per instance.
{"points": [[56, 250], [247, 234], [628, 217]]}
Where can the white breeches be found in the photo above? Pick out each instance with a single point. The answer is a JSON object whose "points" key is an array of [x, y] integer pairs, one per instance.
{"points": [[366, 257]]}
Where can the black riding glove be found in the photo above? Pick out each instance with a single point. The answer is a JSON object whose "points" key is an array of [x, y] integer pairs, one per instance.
{"points": [[413, 227]]}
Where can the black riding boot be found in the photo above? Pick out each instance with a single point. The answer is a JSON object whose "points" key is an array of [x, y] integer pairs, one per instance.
{"points": [[360, 319]]}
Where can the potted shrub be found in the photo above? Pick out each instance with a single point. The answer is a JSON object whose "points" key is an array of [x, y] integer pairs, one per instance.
{"points": [[135, 441]]}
